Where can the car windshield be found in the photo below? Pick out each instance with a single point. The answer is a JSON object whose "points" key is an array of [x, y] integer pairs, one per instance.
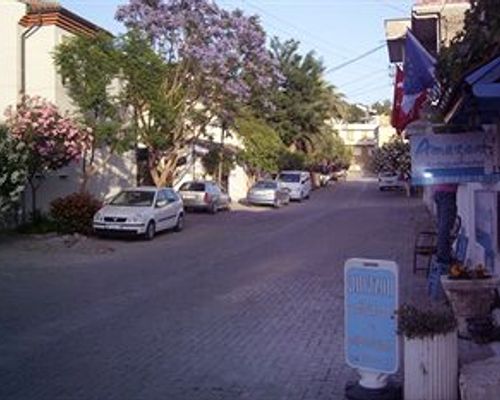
{"points": [[290, 178], [134, 198], [192, 187], [265, 185]]}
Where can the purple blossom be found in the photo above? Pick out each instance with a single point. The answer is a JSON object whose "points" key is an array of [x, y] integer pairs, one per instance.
{"points": [[225, 49]]}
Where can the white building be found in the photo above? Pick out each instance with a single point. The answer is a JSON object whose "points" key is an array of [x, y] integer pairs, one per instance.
{"points": [[29, 32], [363, 139]]}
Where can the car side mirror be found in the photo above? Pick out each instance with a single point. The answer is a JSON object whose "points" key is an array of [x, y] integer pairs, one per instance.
{"points": [[161, 203]]}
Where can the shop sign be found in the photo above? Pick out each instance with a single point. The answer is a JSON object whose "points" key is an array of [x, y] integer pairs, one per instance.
{"points": [[371, 300], [454, 158]]}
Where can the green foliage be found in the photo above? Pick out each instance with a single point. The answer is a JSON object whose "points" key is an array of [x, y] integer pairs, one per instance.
{"points": [[328, 148], [262, 145], [355, 114], [476, 44], [89, 68], [13, 173], [39, 226], [292, 160], [382, 107], [393, 156], [415, 323], [156, 92], [304, 103], [74, 213], [211, 161]]}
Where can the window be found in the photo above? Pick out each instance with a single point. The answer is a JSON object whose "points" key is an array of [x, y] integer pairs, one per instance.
{"points": [[266, 185], [193, 187], [290, 178], [134, 198], [170, 195]]}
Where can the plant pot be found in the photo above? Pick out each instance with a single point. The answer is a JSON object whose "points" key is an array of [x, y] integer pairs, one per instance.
{"points": [[431, 367], [470, 298]]}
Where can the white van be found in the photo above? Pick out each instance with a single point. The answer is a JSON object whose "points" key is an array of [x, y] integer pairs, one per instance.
{"points": [[297, 182]]}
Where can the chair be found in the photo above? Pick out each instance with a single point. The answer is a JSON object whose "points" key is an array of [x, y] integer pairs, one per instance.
{"points": [[426, 245]]}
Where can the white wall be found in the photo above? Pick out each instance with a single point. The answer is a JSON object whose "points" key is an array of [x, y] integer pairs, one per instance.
{"points": [[40, 69], [11, 12]]}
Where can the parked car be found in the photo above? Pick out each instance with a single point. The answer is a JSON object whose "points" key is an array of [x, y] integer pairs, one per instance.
{"points": [[298, 182], [141, 211], [204, 195], [268, 192], [388, 180]]}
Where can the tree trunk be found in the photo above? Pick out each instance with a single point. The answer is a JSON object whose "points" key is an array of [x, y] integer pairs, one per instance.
{"points": [[34, 211]]}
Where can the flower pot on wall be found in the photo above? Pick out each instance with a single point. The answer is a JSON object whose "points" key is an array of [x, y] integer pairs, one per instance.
{"points": [[431, 367], [470, 298]]}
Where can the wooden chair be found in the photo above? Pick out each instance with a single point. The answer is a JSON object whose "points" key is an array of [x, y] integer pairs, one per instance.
{"points": [[426, 245]]}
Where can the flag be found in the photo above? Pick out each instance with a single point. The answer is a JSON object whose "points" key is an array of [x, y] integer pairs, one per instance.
{"points": [[419, 66], [405, 112], [413, 82]]}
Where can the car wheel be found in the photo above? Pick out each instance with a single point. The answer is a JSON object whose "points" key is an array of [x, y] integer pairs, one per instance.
{"points": [[150, 231], [179, 226], [213, 208]]}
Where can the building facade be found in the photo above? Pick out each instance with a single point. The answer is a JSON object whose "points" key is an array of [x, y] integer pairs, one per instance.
{"points": [[475, 103], [30, 31]]}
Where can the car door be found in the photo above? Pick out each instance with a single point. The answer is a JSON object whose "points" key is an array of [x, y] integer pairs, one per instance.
{"points": [[173, 207], [161, 210]]}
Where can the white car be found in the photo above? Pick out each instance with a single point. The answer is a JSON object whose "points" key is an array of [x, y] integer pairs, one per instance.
{"points": [[141, 211], [297, 182], [388, 180]]}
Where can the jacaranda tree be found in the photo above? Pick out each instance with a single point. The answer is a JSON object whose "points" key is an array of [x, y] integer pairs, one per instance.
{"points": [[214, 60]]}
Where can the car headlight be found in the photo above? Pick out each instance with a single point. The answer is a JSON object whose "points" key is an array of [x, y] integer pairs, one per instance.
{"points": [[136, 218], [98, 217]]}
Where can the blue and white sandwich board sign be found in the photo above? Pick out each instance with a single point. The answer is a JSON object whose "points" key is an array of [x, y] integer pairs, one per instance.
{"points": [[371, 290]]}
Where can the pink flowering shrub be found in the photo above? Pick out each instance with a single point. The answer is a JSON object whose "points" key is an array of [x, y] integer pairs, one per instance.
{"points": [[53, 139]]}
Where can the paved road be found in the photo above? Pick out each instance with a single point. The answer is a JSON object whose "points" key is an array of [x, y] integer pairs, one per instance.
{"points": [[241, 305]]}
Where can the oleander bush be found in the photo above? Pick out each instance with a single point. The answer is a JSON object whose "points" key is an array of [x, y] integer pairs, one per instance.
{"points": [[74, 213]]}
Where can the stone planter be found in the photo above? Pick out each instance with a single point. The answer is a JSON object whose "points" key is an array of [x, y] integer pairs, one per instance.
{"points": [[470, 298], [431, 367]]}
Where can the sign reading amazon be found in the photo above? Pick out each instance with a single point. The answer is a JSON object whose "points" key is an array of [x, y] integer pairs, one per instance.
{"points": [[454, 158]]}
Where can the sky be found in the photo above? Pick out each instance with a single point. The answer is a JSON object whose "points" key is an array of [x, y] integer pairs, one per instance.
{"points": [[336, 30]]}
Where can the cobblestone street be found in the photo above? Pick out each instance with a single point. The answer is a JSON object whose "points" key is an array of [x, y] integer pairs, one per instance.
{"points": [[241, 305]]}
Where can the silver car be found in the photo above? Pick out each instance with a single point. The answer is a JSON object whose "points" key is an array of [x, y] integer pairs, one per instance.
{"points": [[268, 192], [204, 195]]}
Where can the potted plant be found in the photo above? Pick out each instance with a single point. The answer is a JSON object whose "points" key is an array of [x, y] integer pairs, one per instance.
{"points": [[471, 292], [430, 353]]}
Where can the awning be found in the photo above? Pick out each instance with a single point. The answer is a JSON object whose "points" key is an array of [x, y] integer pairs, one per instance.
{"points": [[477, 97]]}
